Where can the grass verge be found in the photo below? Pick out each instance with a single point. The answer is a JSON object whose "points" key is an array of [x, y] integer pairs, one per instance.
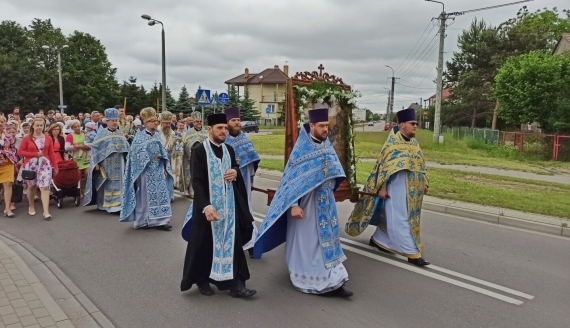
{"points": [[459, 152], [484, 189]]}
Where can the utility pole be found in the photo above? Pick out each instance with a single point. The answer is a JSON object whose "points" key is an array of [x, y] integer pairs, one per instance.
{"points": [[391, 101], [439, 91], [443, 17]]}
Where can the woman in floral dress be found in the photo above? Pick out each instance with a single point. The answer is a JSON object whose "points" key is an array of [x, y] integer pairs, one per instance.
{"points": [[37, 150]]}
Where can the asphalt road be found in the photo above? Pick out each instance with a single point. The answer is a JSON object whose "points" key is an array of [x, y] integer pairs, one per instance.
{"points": [[483, 276]]}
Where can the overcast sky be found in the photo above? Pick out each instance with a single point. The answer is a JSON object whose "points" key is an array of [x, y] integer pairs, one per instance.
{"points": [[211, 41]]}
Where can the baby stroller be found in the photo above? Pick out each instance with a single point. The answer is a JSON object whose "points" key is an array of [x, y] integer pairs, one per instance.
{"points": [[66, 183]]}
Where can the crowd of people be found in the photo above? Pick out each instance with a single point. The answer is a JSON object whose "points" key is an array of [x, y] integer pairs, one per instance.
{"points": [[34, 144], [131, 166]]}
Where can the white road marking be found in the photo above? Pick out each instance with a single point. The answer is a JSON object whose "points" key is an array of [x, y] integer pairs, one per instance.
{"points": [[435, 276], [426, 272], [449, 272]]}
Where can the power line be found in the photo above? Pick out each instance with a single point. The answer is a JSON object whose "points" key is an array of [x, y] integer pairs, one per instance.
{"points": [[428, 54], [431, 46], [430, 23], [407, 86], [418, 49]]}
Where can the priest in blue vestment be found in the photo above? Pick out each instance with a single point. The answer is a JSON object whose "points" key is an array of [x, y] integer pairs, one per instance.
{"points": [[246, 156], [303, 213], [148, 184], [218, 223], [108, 152]]}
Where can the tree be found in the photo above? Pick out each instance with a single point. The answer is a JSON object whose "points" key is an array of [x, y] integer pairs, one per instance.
{"points": [[154, 97], [29, 75], [137, 97], [170, 101], [182, 105], [234, 97], [368, 114], [470, 74], [483, 49], [534, 88], [247, 110]]}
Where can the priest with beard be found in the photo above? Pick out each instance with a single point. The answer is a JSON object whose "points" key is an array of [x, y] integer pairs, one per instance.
{"points": [[218, 224], [194, 135], [246, 156], [303, 213], [148, 184]]}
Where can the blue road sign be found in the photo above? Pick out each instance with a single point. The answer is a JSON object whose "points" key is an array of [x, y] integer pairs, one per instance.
{"points": [[223, 98], [62, 106], [203, 97], [268, 110]]}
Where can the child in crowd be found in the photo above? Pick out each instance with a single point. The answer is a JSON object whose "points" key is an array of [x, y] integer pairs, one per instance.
{"points": [[90, 134]]}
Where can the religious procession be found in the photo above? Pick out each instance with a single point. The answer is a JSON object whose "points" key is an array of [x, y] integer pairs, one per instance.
{"points": [[132, 165]]}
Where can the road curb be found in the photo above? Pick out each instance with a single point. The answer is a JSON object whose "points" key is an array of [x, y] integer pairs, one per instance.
{"points": [[72, 301], [498, 219]]}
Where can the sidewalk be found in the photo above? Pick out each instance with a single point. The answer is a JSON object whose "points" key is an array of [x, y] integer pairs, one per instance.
{"points": [[535, 222], [27, 278], [558, 178]]}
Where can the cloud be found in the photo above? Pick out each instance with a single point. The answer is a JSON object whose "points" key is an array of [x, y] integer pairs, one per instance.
{"points": [[211, 41]]}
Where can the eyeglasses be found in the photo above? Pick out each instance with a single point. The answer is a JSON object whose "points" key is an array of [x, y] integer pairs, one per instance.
{"points": [[414, 123]]}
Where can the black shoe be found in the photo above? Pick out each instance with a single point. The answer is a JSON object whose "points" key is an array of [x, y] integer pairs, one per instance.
{"points": [[250, 251], [165, 227], [206, 290], [343, 292], [419, 262], [242, 292], [372, 243]]}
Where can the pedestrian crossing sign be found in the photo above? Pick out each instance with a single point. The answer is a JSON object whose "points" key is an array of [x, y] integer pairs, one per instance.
{"points": [[203, 97]]}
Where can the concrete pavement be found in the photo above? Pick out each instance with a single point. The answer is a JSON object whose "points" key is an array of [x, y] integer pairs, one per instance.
{"points": [[482, 276]]}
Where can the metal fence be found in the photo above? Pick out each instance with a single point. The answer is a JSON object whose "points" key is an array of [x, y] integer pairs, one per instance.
{"points": [[542, 146], [488, 136]]}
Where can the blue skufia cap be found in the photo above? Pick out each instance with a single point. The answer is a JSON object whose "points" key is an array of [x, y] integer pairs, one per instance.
{"points": [[112, 114], [406, 115]]}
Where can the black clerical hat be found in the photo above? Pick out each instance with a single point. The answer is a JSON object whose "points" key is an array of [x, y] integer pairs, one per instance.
{"points": [[219, 118], [406, 115]]}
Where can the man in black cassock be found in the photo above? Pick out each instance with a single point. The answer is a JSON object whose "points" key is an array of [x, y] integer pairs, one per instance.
{"points": [[211, 231]]}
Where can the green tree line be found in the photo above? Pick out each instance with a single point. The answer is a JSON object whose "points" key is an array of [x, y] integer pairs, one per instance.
{"points": [[29, 75], [506, 75]]}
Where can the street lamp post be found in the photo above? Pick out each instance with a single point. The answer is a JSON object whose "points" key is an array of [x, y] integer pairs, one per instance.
{"points": [[59, 73], [152, 22]]}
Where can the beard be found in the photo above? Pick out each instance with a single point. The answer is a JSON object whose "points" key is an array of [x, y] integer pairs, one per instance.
{"points": [[219, 139], [166, 129], [322, 137], [234, 131]]}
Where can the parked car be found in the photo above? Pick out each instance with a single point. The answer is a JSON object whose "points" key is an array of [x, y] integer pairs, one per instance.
{"points": [[249, 126], [389, 126], [371, 123]]}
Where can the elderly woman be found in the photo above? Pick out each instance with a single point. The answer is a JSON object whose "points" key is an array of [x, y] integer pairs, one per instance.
{"points": [[37, 150], [75, 143], [8, 160]]}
